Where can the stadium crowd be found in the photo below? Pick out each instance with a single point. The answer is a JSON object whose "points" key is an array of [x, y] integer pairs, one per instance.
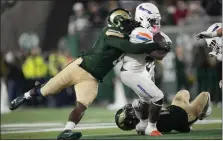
{"points": [[22, 68]]}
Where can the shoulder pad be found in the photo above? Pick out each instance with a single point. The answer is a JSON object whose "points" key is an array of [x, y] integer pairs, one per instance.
{"points": [[113, 32], [141, 34]]}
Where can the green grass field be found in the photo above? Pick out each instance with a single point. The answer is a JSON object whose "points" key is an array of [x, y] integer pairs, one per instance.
{"points": [[92, 116]]}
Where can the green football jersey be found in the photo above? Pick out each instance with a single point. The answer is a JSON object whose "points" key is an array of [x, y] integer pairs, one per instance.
{"points": [[108, 49]]}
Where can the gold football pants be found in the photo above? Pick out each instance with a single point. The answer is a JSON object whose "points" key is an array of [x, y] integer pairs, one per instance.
{"points": [[85, 85], [194, 108]]}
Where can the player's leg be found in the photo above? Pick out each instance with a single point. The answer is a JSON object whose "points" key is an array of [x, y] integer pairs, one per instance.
{"points": [[147, 91], [140, 106], [154, 110], [150, 94], [181, 98], [141, 109], [200, 106], [70, 75], [86, 92], [195, 108]]}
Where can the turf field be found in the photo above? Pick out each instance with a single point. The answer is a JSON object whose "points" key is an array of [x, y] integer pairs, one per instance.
{"points": [[98, 123]]}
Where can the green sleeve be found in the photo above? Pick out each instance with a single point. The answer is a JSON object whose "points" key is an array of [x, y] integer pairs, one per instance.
{"points": [[129, 47]]}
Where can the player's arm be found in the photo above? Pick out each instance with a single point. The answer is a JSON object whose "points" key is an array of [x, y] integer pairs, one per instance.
{"points": [[129, 47], [206, 34]]}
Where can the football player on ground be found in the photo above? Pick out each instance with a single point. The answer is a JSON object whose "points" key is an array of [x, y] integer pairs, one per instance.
{"points": [[87, 71], [179, 116], [214, 41], [137, 71]]}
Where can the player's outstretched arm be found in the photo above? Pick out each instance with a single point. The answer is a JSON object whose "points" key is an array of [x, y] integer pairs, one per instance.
{"points": [[129, 47], [206, 34]]}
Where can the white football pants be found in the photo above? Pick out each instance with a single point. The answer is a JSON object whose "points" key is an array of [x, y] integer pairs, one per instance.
{"points": [[143, 86]]}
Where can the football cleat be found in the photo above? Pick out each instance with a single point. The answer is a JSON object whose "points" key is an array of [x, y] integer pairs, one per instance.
{"points": [[155, 133], [21, 99], [151, 130], [69, 135], [17, 102]]}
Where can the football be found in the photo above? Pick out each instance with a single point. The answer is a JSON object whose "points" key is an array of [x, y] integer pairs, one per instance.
{"points": [[158, 38]]}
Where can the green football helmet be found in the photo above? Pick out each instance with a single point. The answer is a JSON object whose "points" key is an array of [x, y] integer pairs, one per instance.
{"points": [[125, 118], [122, 19]]}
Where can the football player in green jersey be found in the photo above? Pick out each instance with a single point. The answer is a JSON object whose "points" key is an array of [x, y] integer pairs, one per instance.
{"points": [[87, 71]]}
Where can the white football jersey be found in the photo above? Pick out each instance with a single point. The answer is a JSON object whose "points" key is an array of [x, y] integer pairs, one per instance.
{"points": [[215, 43], [137, 62]]}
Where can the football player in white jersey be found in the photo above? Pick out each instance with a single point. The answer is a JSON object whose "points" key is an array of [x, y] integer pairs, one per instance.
{"points": [[137, 71], [213, 37]]}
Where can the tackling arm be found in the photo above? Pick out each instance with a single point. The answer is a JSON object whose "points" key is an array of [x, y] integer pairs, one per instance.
{"points": [[214, 30], [160, 54], [206, 34], [129, 47]]}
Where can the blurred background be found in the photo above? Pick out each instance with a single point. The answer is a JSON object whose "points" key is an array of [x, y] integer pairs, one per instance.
{"points": [[39, 38]]}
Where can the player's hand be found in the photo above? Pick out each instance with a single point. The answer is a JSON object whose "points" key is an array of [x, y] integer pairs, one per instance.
{"points": [[220, 84], [204, 34]]}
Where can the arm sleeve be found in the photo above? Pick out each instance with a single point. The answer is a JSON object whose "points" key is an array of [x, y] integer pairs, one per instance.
{"points": [[129, 47]]}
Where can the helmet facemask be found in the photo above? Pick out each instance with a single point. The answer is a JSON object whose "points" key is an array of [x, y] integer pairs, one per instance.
{"points": [[154, 25]]}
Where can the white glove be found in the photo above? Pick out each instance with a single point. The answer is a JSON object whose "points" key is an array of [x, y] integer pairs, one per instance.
{"points": [[206, 34], [220, 83]]}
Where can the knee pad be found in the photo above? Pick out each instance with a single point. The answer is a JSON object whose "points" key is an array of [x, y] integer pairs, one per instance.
{"points": [[159, 96]]}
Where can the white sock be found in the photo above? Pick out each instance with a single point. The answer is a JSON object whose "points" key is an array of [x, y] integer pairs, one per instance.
{"points": [[27, 95], [153, 125], [150, 127], [70, 125]]}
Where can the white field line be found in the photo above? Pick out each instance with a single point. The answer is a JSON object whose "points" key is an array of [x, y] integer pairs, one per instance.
{"points": [[209, 121], [79, 127], [50, 124], [58, 129]]}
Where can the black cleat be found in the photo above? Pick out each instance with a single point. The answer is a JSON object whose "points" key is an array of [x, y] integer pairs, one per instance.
{"points": [[17, 102], [21, 99], [69, 135]]}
